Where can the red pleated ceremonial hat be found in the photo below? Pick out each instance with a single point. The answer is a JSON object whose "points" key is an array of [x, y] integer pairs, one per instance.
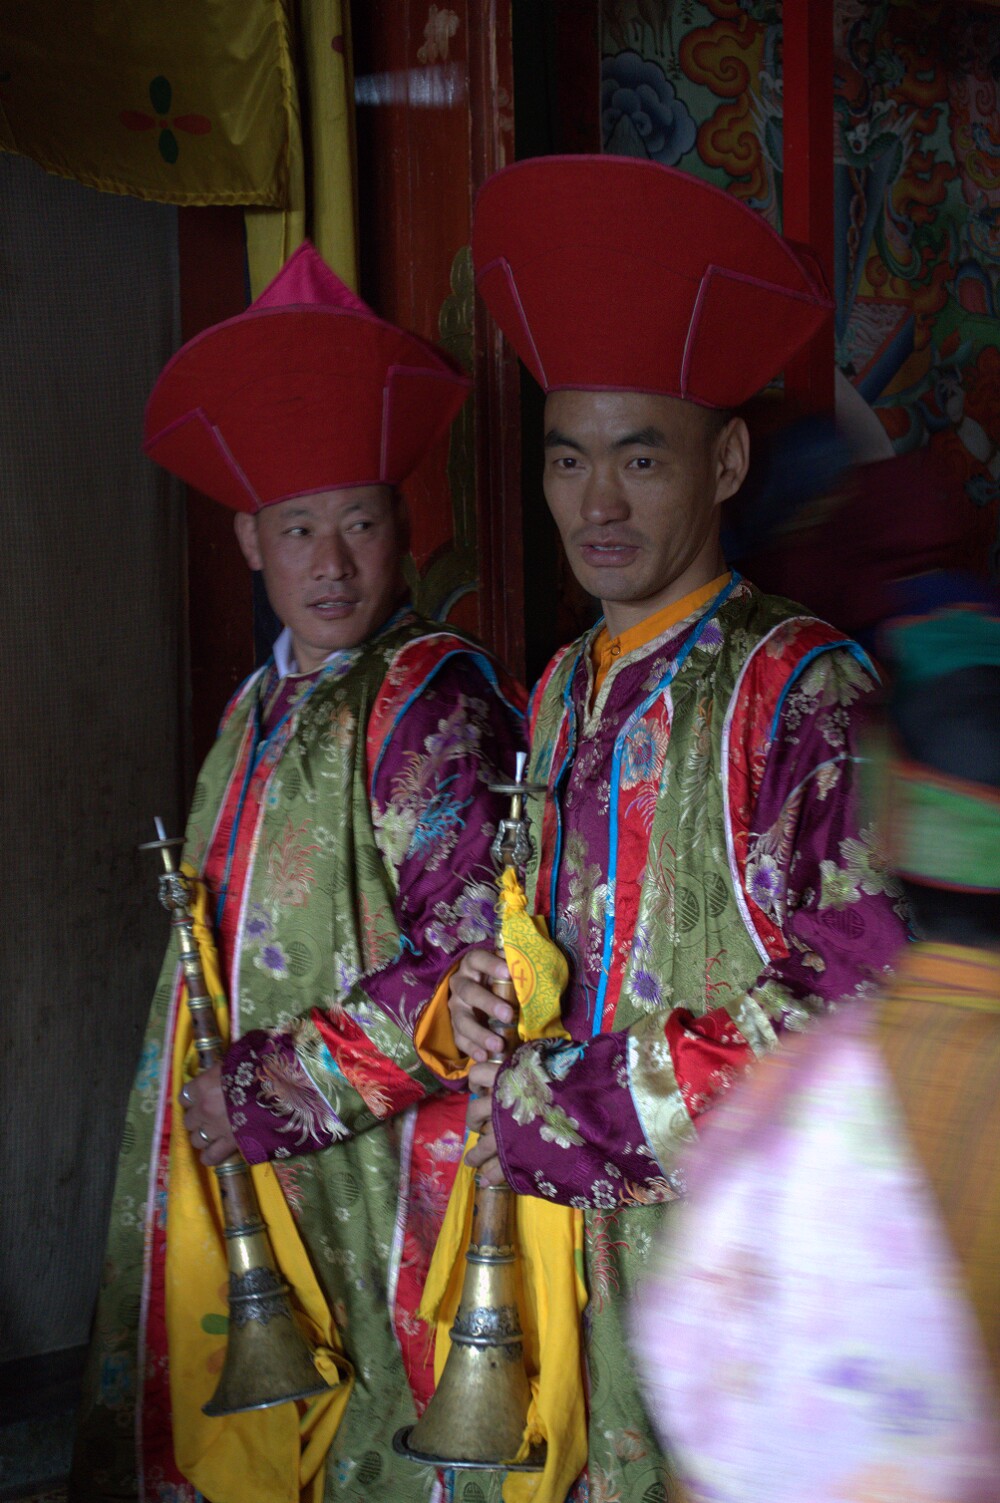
{"points": [[306, 391], [614, 273]]}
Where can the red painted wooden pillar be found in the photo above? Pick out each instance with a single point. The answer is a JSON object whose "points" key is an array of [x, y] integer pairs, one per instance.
{"points": [[497, 391], [212, 278], [807, 210]]}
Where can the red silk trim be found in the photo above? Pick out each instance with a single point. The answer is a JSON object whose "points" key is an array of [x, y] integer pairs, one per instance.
{"points": [[383, 1086], [153, 1402], [413, 665], [438, 1136], [771, 665], [708, 1054]]}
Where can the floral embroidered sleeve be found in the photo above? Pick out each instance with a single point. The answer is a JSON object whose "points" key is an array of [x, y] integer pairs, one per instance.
{"points": [[600, 1123], [343, 1068]]}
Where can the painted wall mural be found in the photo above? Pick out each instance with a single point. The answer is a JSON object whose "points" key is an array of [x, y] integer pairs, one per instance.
{"points": [[698, 84]]}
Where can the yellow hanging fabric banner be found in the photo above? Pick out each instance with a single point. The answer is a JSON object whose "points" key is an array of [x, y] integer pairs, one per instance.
{"points": [[550, 1240], [188, 103], [266, 1455]]}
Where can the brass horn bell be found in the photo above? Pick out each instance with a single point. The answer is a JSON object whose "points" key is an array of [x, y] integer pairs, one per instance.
{"points": [[477, 1416], [267, 1360]]}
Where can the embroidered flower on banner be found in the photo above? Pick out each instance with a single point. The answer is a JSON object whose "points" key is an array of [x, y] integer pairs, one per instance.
{"points": [[447, 1149], [290, 873], [603, 1195], [766, 882], [273, 960], [645, 991], [641, 115], [258, 924], [440, 27], [147, 1075], [469, 921], [115, 1381], [161, 95], [286, 1090], [643, 754], [603, 1488], [628, 1444]]}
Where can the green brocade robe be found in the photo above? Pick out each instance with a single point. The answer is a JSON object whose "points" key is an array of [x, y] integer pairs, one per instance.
{"points": [[342, 824], [694, 855]]}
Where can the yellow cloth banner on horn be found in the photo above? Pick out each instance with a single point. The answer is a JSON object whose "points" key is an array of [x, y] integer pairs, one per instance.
{"points": [[266, 1455], [550, 1239]]}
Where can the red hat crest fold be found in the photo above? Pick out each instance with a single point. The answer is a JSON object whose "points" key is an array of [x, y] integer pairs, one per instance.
{"points": [[306, 391], [612, 273]]}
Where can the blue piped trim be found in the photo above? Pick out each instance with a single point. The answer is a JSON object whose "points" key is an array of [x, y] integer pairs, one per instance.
{"points": [[616, 761], [567, 696], [239, 694], [486, 668], [845, 643], [258, 750]]}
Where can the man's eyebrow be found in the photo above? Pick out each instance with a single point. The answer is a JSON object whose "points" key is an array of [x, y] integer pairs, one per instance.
{"points": [[646, 438], [556, 440]]}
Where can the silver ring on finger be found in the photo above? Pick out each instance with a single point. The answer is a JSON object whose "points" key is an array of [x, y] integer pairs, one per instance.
{"points": [[203, 1135]]}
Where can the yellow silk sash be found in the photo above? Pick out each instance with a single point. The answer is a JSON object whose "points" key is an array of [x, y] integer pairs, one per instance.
{"points": [[267, 1455], [550, 1238]]}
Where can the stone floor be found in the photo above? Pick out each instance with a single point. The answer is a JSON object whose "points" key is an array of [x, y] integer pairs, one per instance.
{"points": [[38, 1399], [59, 1495], [35, 1457]]}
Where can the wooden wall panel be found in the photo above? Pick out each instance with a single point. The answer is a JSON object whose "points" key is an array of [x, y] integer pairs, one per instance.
{"points": [[807, 193], [212, 273], [433, 89]]}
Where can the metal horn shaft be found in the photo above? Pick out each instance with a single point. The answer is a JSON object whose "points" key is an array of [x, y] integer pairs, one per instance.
{"points": [[267, 1360]]}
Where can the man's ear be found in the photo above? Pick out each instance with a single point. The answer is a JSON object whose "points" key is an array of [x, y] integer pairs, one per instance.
{"points": [[732, 459], [246, 535]]}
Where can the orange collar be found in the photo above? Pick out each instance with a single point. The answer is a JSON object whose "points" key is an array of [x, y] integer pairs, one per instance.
{"points": [[605, 650]]}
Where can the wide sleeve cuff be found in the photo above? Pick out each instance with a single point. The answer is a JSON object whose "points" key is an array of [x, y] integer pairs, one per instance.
{"points": [[334, 1075], [275, 1110], [566, 1128], [434, 1040]]}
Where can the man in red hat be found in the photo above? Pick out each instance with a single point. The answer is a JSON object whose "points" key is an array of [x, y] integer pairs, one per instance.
{"points": [[700, 857], [341, 826]]}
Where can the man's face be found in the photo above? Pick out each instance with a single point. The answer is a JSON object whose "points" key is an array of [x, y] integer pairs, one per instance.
{"points": [[331, 565], [634, 483]]}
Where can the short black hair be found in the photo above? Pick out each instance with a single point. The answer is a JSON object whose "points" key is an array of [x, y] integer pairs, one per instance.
{"points": [[952, 724], [954, 918], [720, 417]]}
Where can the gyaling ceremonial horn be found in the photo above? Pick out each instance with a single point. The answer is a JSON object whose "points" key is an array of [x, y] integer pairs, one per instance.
{"points": [[267, 1360], [477, 1416]]}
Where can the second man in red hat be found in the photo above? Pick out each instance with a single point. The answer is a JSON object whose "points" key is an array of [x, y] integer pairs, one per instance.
{"points": [[341, 827], [701, 858]]}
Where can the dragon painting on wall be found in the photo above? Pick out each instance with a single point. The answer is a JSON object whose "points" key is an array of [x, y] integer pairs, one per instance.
{"points": [[698, 84]]}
